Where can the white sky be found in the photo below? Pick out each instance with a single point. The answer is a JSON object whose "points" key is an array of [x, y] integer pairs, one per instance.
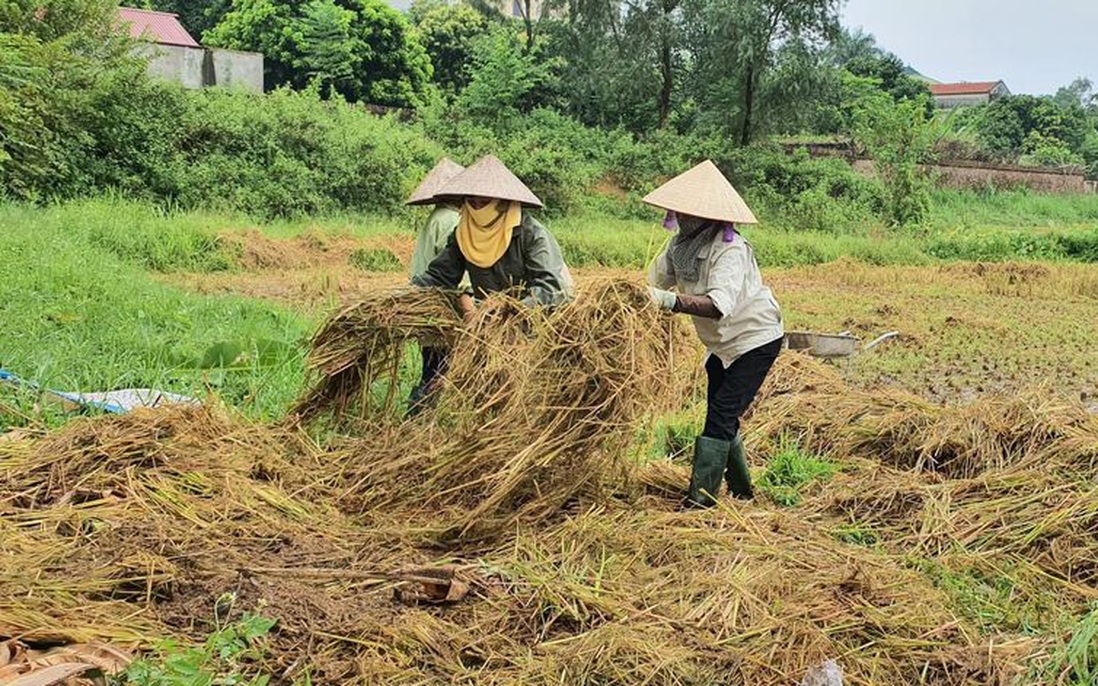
{"points": [[1034, 46]]}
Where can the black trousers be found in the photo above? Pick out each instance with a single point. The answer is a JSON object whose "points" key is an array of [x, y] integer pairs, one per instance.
{"points": [[731, 390], [434, 365]]}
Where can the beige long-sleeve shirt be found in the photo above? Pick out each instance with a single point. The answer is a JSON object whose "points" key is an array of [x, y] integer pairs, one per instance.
{"points": [[729, 275]]}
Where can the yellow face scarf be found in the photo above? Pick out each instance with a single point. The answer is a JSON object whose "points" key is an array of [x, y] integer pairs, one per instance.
{"points": [[483, 235]]}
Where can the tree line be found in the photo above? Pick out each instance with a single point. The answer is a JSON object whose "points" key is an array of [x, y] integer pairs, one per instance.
{"points": [[574, 94]]}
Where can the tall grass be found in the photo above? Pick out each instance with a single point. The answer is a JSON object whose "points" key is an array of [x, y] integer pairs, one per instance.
{"points": [[80, 313], [954, 209]]}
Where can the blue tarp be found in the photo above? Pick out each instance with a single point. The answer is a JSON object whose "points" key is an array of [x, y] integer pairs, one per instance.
{"points": [[115, 402]]}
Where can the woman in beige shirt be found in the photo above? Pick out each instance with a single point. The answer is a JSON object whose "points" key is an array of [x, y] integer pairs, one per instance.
{"points": [[717, 282]]}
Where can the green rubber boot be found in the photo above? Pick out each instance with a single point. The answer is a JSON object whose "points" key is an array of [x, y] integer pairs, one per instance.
{"points": [[738, 475], [710, 460]]}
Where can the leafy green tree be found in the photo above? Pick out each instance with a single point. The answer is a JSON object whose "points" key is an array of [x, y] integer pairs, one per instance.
{"points": [[1006, 124], [197, 16], [849, 45], [623, 61], [735, 44], [891, 72], [265, 26], [362, 49], [449, 32], [327, 50], [899, 137], [1046, 151], [1079, 92], [88, 27], [506, 80]]}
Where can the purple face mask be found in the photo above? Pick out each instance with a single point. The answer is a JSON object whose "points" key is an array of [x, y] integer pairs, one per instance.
{"points": [[671, 221]]}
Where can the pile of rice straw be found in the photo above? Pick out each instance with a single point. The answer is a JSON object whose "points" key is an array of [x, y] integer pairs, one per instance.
{"points": [[560, 557]]}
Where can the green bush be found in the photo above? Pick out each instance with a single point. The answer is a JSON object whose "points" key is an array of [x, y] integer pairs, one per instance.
{"points": [[287, 153], [1017, 245], [801, 192], [1081, 247], [375, 260]]}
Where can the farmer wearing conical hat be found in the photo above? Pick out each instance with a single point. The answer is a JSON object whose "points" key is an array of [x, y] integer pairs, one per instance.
{"points": [[497, 243], [717, 282], [430, 241]]}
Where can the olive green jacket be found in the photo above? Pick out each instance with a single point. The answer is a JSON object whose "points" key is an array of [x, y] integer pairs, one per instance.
{"points": [[433, 236], [533, 264]]}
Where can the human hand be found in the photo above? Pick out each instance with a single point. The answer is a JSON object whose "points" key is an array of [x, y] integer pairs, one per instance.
{"points": [[665, 300], [468, 309]]}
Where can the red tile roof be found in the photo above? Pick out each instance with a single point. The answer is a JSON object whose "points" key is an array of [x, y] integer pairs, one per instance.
{"points": [[158, 27], [974, 88]]}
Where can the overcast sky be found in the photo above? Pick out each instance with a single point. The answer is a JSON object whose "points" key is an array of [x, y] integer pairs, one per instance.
{"points": [[1035, 46]]}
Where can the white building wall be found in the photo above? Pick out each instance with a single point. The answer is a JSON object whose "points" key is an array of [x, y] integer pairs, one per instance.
{"points": [[948, 102], [175, 63], [192, 68], [234, 69]]}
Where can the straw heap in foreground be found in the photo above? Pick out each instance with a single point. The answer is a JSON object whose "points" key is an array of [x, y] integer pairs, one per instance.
{"points": [[560, 556]]}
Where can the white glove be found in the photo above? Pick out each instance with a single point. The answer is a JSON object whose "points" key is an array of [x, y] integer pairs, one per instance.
{"points": [[665, 300]]}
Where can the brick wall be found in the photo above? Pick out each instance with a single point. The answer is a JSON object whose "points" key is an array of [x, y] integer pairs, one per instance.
{"points": [[974, 175]]}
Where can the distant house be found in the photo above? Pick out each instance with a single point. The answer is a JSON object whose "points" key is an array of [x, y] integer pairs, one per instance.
{"points": [[175, 55], [950, 95]]}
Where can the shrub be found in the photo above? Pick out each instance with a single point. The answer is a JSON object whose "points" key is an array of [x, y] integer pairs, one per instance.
{"points": [[375, 260], [288, 153], [804, 193]]}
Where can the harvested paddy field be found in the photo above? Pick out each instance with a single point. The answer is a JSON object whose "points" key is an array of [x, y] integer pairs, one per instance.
{"points": [[966, 330], [526, 529]]}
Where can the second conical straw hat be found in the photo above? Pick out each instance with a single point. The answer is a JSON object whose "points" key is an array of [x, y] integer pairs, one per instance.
{"points": [[703, 192], [490, 178], [427, 191]]}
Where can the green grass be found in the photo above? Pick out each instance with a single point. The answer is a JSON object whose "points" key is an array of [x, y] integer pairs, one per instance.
{"points": [[856, 534], [996, 598], [1080, 653], [1020, 209], [81, 312], [375, 260], [80, 316], [963, 225], [791, 471], [231, 654]]}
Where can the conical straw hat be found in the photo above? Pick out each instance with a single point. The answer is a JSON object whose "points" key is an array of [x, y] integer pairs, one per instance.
{"points": [[489, 178], [427, 191], [703, 192]]}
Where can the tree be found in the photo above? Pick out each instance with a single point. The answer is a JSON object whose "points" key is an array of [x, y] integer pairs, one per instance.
{"points": [[624, 61], [892, 74], [327, 51], [899, 137], [88, 27], [197, 16], [448, 32], [1079, 92], [506, 80], [264, 26], [1005, 125], [850, 45], [735, 44], [362, 49]]}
